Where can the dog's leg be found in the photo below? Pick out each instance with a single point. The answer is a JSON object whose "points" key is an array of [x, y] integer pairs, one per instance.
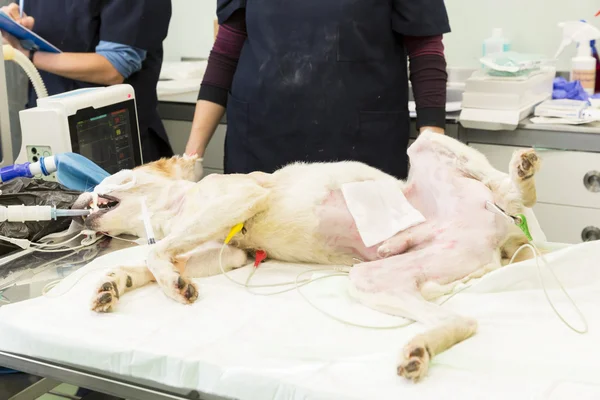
{"points": [[222, 203], [511, 191], [399, 286], [523, 166], [414, 359], [468, 160], [116, 283], [403, 241], [205, 262]]}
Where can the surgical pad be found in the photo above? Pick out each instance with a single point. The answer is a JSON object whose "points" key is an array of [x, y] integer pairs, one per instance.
{"points": [[380, 209], [234, 343]]}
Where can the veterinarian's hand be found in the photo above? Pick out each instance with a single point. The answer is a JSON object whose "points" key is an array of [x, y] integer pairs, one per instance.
{"points": [[12, 11], [432, 129]]}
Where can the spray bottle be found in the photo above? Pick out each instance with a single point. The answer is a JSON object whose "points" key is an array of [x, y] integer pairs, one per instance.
{"points": [[583, 67]]}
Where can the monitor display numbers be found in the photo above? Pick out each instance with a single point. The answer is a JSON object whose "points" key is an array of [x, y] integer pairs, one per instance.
{"points": [[106, 140]]}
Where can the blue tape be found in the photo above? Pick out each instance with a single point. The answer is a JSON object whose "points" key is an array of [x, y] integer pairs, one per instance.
{"points": [[43, 167]]}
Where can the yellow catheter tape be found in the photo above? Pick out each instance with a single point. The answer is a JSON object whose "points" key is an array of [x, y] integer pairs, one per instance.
{"points": [[234, 231]]}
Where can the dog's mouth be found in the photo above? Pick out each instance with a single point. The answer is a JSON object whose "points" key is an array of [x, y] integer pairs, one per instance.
{"points": [[98, 204], [103, 204]]}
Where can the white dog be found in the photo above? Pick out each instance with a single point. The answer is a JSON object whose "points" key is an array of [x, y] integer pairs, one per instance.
{"points": [[298, 214]]}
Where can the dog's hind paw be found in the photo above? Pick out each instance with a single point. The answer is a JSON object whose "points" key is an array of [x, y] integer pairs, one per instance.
{"points": [[183, 290], [414, 360], [525, 163], [107, 297]]}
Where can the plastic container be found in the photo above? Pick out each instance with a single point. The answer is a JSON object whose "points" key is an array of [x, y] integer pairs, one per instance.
{"points": [[497, 93], [497, 43], [583, 68]]}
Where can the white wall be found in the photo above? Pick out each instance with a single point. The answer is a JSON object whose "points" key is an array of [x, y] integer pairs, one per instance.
{"points": [[529, 24], [191, 29]]}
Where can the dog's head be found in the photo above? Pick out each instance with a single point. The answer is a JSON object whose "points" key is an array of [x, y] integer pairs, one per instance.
{"points": [[118, 207]]}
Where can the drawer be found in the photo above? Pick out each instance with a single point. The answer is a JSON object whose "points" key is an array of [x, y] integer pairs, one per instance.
{"points": [[566, 177], [564, 224]]}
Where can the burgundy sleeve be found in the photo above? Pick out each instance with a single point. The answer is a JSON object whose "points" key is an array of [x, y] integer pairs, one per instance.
{"points": [[428, 77], [223, 59]]}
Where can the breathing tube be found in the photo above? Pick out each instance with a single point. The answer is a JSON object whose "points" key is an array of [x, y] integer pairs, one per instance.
{"points": [[45, 166], [34, 76]]}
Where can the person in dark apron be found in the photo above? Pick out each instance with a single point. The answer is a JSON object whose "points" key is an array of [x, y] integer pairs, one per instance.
{"points": [[103, 42], [322, 81]]}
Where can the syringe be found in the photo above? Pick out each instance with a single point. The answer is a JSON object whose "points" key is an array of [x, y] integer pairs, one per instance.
{"points": [[37, 213]]}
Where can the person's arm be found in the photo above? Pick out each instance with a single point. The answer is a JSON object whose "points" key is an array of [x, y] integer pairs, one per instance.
{"points": [[87, 67], [429, 78], [212, 98], [422, 24]]}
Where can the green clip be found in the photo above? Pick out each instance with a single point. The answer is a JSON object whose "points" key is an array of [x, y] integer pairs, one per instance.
{"points": [[521, 222]]}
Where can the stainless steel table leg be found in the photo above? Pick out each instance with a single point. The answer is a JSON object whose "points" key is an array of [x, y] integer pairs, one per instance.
{"points": [[36, 390]]}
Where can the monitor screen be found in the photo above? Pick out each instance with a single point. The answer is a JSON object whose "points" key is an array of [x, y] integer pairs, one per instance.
{"points": [[108, 137]]}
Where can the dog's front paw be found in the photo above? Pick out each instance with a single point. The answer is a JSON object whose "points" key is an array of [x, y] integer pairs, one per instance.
{"points": [[525, 163], [414, 360], [106, 297], [182, 289]]}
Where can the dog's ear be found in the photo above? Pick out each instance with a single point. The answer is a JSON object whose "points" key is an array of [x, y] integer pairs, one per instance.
{"points": [[185, 167]]}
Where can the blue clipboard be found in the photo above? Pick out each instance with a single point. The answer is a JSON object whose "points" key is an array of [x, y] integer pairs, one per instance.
{"points": [[29, 39]]}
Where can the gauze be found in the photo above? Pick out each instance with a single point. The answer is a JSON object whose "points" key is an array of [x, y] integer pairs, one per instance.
{"points": [[380, 209]]}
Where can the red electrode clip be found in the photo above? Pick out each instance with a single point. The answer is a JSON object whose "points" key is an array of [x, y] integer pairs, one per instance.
{"points": [[260, 256]]}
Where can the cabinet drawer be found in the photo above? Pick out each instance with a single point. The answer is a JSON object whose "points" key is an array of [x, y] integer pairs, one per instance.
{"points": [[564, 224], [566, 177]]}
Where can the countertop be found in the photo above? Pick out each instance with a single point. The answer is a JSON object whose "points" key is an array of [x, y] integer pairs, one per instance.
{"points": [[189, 99]]}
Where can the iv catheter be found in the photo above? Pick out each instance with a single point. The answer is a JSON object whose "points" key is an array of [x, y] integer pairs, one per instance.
{"points": [[38, 213], [518, 220]]}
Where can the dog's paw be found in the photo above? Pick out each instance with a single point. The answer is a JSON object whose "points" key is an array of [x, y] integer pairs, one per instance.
{"points": [[183, 290], [525, 163], [107, 296], [414, 360]]}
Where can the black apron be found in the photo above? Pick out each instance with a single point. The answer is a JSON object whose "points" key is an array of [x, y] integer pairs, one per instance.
{"points": [[324, 81], [79, 25]]}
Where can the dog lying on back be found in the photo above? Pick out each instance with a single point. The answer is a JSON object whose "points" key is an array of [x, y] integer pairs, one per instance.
{"points": [[298, 214]]}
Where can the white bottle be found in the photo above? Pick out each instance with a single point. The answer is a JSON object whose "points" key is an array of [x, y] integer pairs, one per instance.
{"points": [[496, 44], [583, 67]]}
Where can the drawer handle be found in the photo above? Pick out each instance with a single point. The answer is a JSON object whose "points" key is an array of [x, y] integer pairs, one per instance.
{"points": [[591, 181], [590, 233]]}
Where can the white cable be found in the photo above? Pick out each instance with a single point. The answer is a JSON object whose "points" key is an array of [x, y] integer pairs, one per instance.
{"points": [[297, 284], [337, 272], [537, 255], [246, 285]]}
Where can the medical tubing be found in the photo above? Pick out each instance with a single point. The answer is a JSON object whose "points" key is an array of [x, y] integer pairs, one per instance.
{"points": [[15, 171], [71, 213], [538, 255], [45, 166], [34, 76], [297, 284]]}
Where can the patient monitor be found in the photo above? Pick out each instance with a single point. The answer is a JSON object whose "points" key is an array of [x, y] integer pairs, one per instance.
{"points": [[99, 123]]}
